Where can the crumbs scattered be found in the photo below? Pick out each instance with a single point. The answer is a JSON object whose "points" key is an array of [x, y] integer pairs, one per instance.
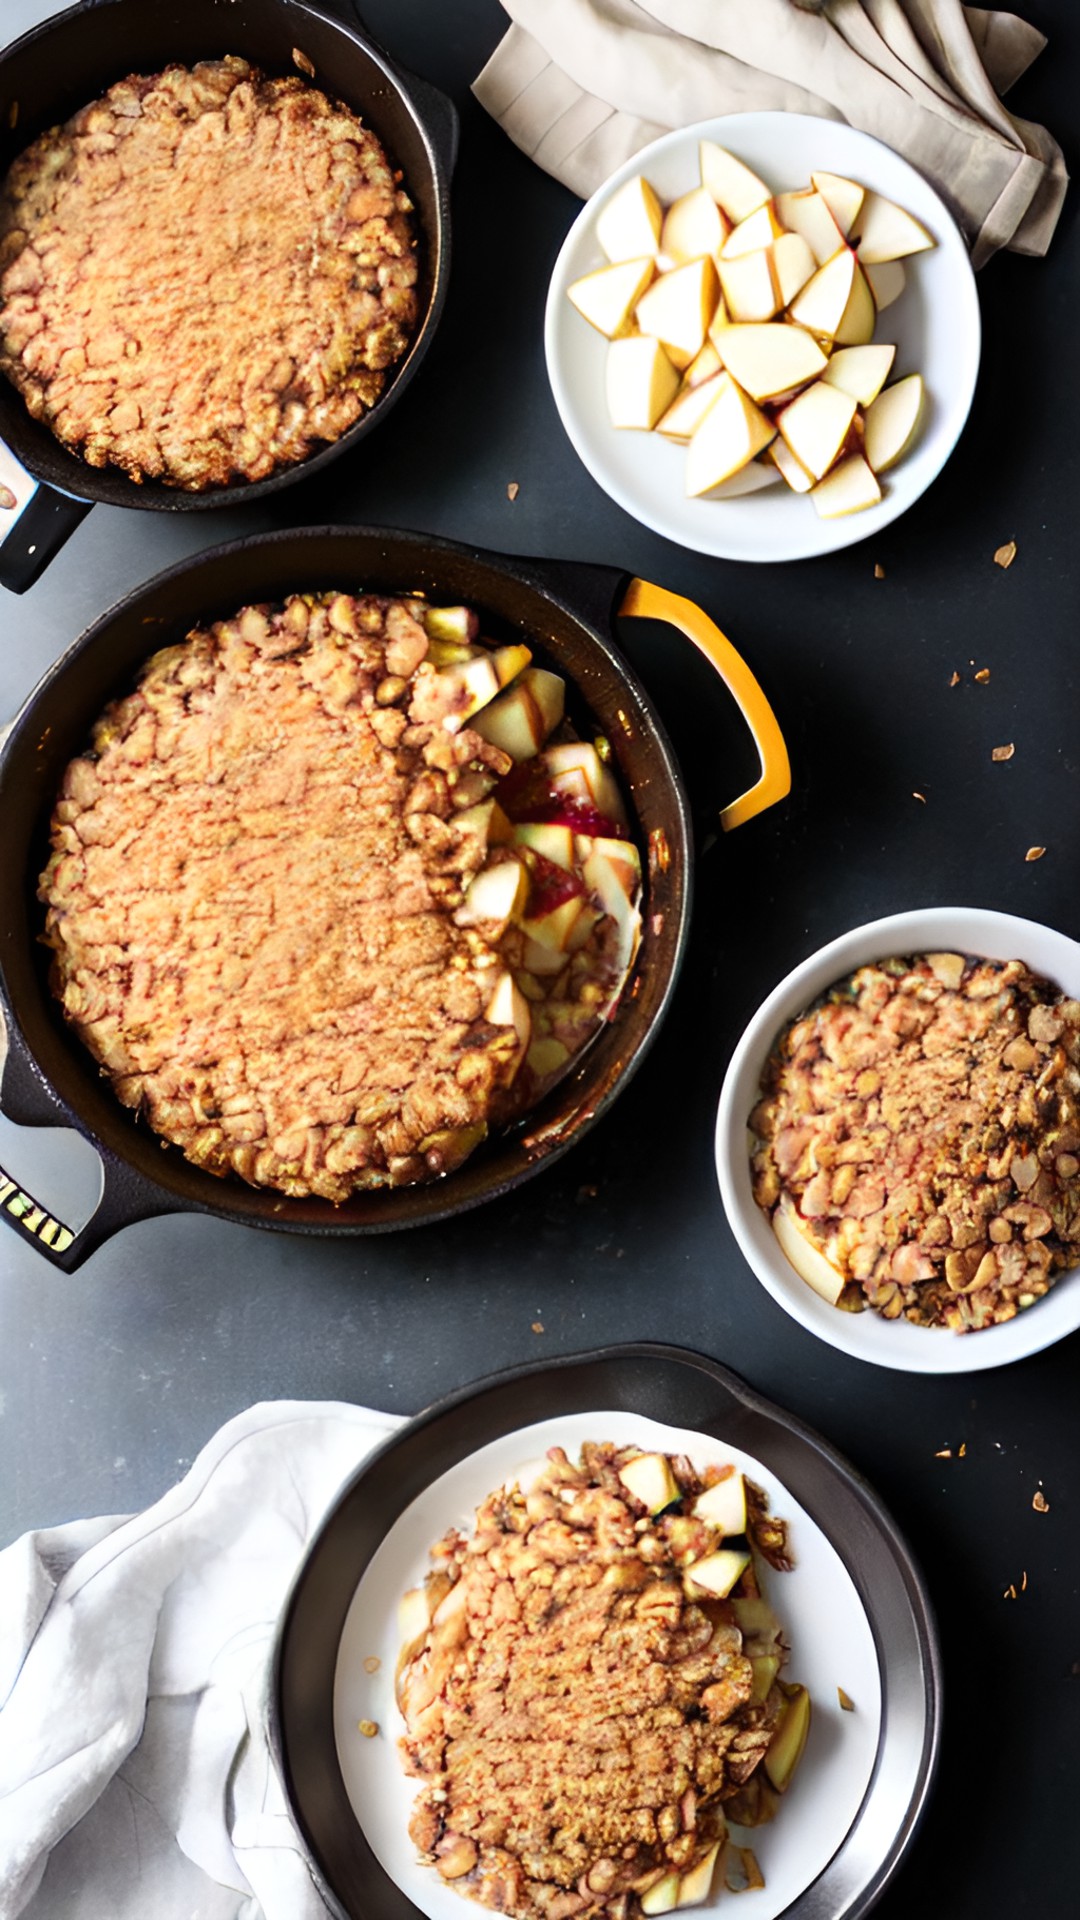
{"points": [[879, 571], [1040, 1502], [919, 796], [7, 498], [963, 1449], [513, 490], [1003, 753], [587, 1193], [1034, 853], [372, 1663], [538, 1326], [983, 676], [845, 1700], [1004, 556], [943, 1453], [305, 65], [955, 681], [369, 1728]]}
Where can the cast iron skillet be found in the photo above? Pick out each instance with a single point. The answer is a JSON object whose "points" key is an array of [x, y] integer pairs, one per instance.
{"points": [[50, 1079], [58, 67], [681, 1389]]}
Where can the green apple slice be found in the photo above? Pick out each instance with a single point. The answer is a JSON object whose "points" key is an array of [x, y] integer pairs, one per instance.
{"points": [[662, 1896], [649, 1478], [765, 1666], [553, 842], [718, 1572], [783, 1755], [755, 1618], [695, 1886], [724, 1504], [523, 716]]}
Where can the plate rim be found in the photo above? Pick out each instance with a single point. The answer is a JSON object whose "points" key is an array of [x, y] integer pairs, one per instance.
{"points": [[493, 1406], [832, 535]]}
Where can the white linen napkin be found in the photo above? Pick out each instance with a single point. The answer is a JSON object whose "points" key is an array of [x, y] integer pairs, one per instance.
{"points": [[580, 85], [135, 1777]]}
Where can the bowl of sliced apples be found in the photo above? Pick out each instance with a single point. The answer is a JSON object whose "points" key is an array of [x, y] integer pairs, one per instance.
{"points": [[762, 335]]}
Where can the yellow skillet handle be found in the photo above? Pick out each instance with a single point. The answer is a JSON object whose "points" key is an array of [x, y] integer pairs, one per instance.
{"points": [[648, 602]]}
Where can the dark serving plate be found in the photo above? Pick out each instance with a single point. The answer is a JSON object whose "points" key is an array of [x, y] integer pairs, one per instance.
{"points": [[650, 1382]]}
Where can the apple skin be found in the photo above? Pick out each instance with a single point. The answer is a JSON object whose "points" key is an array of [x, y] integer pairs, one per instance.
{"points": [[783, 1756], [724, 1504], [717, 1573]]}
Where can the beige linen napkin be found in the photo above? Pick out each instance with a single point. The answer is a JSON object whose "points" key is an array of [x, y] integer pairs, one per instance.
{"points": [[580, 85]]}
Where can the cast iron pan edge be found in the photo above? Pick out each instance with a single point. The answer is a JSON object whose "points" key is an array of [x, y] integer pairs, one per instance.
{"points": [[655, 1381]]}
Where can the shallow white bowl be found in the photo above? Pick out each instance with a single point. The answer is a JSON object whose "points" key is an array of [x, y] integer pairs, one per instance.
{"points": [[889, 1343], [935, 325]]}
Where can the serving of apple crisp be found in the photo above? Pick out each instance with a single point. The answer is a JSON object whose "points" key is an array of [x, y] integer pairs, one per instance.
{"points": [[918, 1140], [590, 1688], [204, 275], [324, 905]]}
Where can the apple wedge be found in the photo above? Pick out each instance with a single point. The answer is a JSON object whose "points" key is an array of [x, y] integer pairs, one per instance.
{"points": [[508, 1007], [693, 225], [753, 478], [717, 1573], [807, 212], [844, 198], [607, 298], [455, 625], [756, 232], [849, 488], [886, 281], [786, 464], [554, 929], [495, 896], [737, 191], [662, 1896], [606, 881], [808, 1260], [749, 289], [628, 228], [678, 307], [783, 1755], [837, 302], [687, 410], [640, 382], [892, 420], [580, 757], [467, 685], [703, 365], [650, 1479], [522, 717], [765, 1666], [816, 425], [755, 1618], [888, 232], [730, 435], [793, 264], [860, 371], [724, 1505], [768, 359], [548, 838], [696, 1886]]}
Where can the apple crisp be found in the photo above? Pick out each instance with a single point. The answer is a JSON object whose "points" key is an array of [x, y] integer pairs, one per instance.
{"points": [[204, 275], [579, 1712], [922, 1125]]}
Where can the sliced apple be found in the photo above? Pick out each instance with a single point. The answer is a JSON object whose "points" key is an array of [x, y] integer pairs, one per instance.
{"points": [[886, 281], [892, 420], [495, 896], [640, 382], [844, 198], [732, 432], [807, 212], [753, 478], [749, 288], [793, 265], [693, 225], [768, 359], [454, 624], [756, 232], [718, 1572], [737, 191], [849, 488], [695, 1886], [650, 1479], [605, 881], [547, 838], [508, 1007], [687, 410], [544, 962], [662, 1896], [808, 1260], [860, 371], [857, 324], [765, 1667], [718, 326], [792, 469], [888, 232], [755, 1618], [628, 228], [607, 298], [523, 716], [546, 1057], [413, 1616], [554, 928], [677, 308], [816, 424], [785, 1751], [724, 1505], [580, 756], [704, 365], [621, 855], [823, 301]]}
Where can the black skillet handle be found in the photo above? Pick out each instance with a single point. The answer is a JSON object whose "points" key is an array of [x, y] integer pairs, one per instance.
{"points": [[35, 521], [126, 1195], [436, 109]]}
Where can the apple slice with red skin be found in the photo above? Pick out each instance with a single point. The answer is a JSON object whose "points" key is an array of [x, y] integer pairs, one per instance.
{"points": [[582, 757], [525, 714]]}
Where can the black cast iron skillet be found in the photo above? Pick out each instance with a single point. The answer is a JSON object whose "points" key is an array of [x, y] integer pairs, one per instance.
{"points": [[50, 1079], [681, 1389], [57, 68]]}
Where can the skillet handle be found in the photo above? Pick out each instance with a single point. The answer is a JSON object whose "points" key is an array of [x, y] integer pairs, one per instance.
{"points": [[35, 521], [439, 114], [645, 601]]}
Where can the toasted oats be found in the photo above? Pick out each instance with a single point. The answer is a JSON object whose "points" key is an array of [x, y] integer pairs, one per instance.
{"points": [[1034, 853], [955, 681], [369, 1728], [943, 1453], [538, 1326], [1004, 556], [1003, 753]]}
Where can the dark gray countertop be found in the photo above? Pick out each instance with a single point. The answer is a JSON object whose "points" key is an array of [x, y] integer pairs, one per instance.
{"points": [[112, 1379]]}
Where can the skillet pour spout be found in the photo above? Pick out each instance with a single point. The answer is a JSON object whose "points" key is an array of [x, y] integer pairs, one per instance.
{"points": [[566, 611]]}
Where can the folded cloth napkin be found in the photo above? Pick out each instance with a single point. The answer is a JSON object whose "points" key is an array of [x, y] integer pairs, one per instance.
{"points": [[580, 85], [135, 1778]]}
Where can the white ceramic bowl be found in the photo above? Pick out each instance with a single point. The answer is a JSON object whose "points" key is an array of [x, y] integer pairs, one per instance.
{"points": [[935, 325], [889, 1343]]}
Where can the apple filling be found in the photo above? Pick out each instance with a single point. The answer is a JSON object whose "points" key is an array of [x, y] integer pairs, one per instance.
{"points": [[917, 1142], [323, 903], [590, 1686]]}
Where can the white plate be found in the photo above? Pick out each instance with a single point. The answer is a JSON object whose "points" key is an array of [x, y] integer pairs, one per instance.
{"points": [[935, 325], [832, 1645], [889, 1343]]}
